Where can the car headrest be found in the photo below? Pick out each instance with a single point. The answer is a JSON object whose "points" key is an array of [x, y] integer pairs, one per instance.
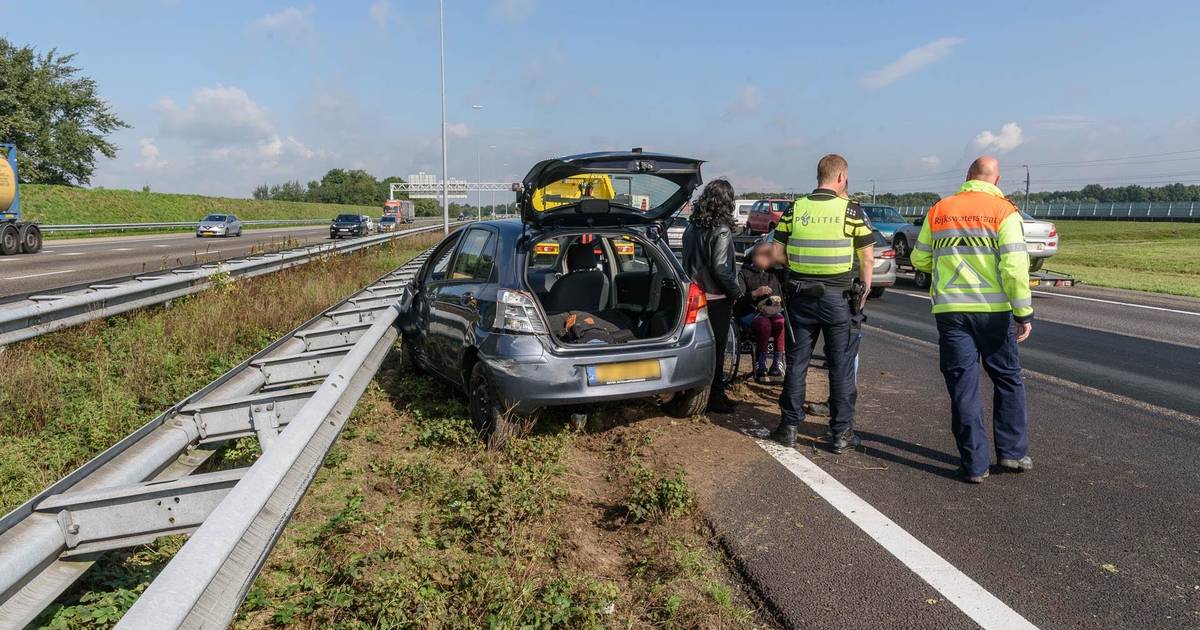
{"points": [[580, 257]]}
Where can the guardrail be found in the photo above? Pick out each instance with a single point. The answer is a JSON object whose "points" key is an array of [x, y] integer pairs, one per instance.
{"points": [[1097, 211], [104, 227], [41, 313], [294, 397]]}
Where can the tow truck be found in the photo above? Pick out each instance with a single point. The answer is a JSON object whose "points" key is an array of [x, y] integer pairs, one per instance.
{"points": [[16, 236]]}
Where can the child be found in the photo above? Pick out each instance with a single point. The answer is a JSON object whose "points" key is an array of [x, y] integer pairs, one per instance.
{"points": [[761, 310]]}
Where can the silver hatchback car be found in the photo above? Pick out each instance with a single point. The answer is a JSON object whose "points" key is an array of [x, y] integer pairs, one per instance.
{"points": [[581, 301], [219, 225]]}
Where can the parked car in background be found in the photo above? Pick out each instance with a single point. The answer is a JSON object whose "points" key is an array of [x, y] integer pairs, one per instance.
{"points": [[389, 223], [883, 275], [896, 230], [219, 225], [765, 215], [741, 211], [349, 225], [576, 303], [1041, 240]]}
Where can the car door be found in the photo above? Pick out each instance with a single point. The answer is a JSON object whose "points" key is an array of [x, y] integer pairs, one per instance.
{"points": [[455, 307], [417, 322]]}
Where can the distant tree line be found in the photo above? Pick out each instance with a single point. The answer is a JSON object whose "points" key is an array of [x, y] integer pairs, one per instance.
{"points": [[1095, 193], [340, 186]]}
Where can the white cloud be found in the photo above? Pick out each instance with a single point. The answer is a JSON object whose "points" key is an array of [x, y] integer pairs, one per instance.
{"points": [[748, 99], [1009, 138], [911, 61], [931, 161], [292, 22], [151, 159], [458, 130], [515, 10], [381, 13], [286, 147], [216, 115], [1062, 122]]}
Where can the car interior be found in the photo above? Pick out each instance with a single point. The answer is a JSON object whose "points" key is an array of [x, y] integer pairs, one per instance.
{"points": [[612, 277]]}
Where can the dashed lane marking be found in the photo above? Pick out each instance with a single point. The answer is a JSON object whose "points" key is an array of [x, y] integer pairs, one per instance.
{"points": [[971, 598], [1130, 305], [72, 253], [36, 275], [121, 249], [1080, 297]]}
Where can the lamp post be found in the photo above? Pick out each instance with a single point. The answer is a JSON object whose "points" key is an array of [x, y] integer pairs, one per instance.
{"points": [[478, 171], [492, 167], [445, 168]]}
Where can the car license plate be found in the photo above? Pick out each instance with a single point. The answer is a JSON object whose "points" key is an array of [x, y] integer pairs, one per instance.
{"points": [[625, 372], [1037, 247]]}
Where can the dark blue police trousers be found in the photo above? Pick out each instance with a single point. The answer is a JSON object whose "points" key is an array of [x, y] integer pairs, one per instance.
{"points": [[964, 341], [827, 316]]}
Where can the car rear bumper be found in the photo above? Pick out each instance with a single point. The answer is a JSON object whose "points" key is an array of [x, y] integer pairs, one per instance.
{"points": [[884, 273], [530, 376], [1041, 248]]}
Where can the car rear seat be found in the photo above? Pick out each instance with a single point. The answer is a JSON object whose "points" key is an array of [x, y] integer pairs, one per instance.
{"points": [[583, 288]]}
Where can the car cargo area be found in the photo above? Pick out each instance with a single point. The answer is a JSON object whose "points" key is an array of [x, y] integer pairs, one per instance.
{"points": [[599, 289]]}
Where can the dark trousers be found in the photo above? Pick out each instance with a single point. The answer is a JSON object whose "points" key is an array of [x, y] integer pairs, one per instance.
{"points": [[828, 316], [719, 312], [963, 340]]}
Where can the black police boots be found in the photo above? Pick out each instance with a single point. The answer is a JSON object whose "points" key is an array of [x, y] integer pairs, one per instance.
{"points": [[785, 434], [844, 441]]}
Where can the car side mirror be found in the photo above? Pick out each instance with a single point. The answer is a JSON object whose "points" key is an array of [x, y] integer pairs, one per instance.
{"points": [[918, 221]]}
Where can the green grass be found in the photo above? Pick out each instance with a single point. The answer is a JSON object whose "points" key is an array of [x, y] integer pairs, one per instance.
{"points": [[1158, 257], [69, 205], [71, 394]]}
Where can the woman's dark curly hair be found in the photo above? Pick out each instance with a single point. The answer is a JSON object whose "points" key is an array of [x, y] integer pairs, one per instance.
{"points": [[715, 205]]}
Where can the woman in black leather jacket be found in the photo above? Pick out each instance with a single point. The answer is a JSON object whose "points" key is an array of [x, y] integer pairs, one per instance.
{"points": [[708, 258]]}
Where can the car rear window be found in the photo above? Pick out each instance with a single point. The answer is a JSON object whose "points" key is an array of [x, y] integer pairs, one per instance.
{"points": [[639, 191]]}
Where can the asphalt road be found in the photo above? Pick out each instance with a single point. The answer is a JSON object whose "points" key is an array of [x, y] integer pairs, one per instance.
{"points": [[1101, 534], [71, 262]]}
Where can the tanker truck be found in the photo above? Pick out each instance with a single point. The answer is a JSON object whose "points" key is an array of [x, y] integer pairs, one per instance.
{"points": [[16, 236]]}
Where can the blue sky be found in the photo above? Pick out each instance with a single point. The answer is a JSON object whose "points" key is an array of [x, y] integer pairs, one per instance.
{"points": [[224, 95]]}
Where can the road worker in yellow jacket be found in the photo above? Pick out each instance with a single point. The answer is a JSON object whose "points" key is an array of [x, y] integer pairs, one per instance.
{"points": [[973, 245]]}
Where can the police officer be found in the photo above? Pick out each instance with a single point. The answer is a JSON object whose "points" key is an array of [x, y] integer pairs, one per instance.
{"points": [[974, 246], [818, 241]]}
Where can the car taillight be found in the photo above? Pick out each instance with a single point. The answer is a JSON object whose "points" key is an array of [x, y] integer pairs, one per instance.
{"points": [[1053, 230], [516, 311], [697, 305], [888, 253]]}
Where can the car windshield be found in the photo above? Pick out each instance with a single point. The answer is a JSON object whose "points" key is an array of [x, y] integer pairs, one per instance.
{"points": [[215, 218], [639, 191], [348, 218], [885, 214], [1025, 215], [388, 220]]}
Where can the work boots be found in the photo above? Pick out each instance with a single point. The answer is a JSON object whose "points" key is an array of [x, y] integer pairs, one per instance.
{"points": [[785, 434], [844, 441]]}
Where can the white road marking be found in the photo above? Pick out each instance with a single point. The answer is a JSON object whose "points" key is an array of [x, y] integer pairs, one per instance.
{"points": [[72, 253], [971, 598], [1092, 299], [121, 249], [36, 275], [160, 245]]}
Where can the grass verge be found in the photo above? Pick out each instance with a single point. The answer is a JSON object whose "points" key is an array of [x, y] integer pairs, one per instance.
{"points": [[413, 524], [71, 394], [69, 205], [1158, 257]]}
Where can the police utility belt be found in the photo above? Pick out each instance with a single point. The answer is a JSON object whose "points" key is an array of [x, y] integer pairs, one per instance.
{"points": [[813, 289]]}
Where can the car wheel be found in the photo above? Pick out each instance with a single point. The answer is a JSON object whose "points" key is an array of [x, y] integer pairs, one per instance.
{"points": [[1035, 264], [900, 244], [10, 240], [687, 403], [495, 423], [922, 279], [876, 292], [31, 239]]}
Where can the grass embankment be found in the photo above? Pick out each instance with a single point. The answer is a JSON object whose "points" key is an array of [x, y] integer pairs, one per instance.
{"points": [[411, 522], [69, 395], [70, 205], [1158, 257]]}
